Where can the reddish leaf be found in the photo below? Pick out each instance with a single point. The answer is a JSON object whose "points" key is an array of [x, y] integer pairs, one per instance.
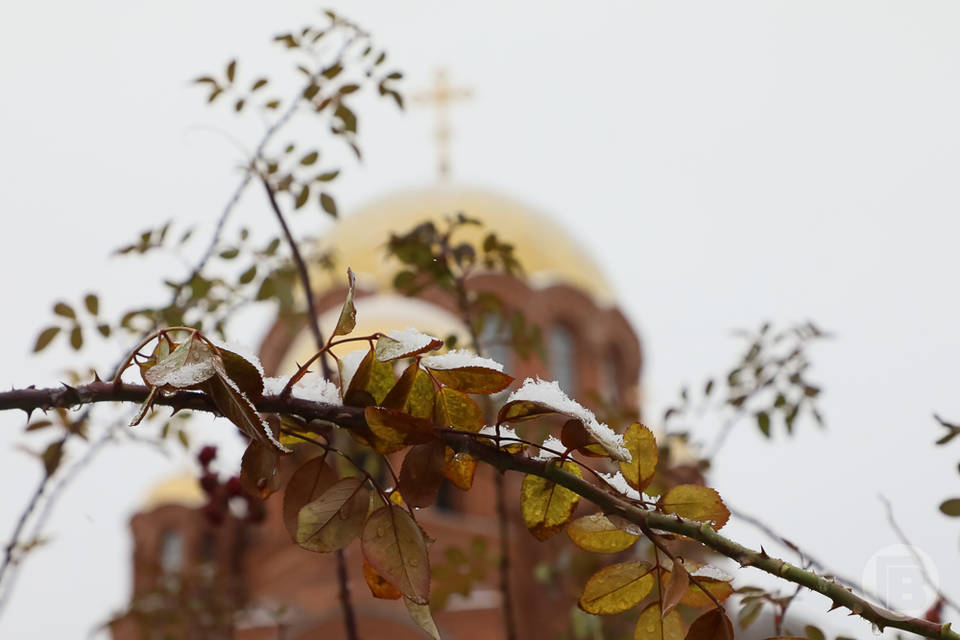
{"points": [[394, 545], [307, 484], [676, 587], [422, 473], [258, 469], [379, 587], [713, 625]]}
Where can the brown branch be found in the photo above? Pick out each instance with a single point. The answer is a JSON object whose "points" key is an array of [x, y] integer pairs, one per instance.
{"points": [[607, 502], [313, 321]]}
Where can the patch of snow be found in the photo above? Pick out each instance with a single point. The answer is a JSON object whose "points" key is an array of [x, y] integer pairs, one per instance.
{"points": [[460, 358], [349, 365], [555, 447], [618, 482], [246, 353], [505, 432], [551, 395], [316, 388], [273, 386], [183, 376], [709, 571], [404, 343]]}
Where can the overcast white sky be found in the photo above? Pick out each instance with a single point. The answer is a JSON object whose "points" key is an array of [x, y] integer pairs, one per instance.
{"points": [[726, 163]]}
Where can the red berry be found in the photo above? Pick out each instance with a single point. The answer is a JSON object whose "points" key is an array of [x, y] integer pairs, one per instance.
{"points": [[234, 487], [207, 454], [213, 514], [209, 482]]}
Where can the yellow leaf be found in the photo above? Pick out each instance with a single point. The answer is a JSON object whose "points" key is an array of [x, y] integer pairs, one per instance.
{"points": [[695, 597], [457, 410], [643, 451], [473, 379], [597, 534], [395, 430], [695, 503], [379, 587], [650, 626], [459, 469], [546, 506], [616, 588]]}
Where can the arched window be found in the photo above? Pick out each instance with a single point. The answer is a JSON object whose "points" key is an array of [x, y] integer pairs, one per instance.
{"points": [[562, 352], [610, 377], [494, 339], [171, 552]]}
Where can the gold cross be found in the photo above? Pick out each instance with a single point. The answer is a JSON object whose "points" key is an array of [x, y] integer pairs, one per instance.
{"points": [[440, 97]]}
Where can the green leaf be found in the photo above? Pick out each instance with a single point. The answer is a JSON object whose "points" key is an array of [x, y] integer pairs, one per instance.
{"points": [[763, 423], [348, 314], [76, 338], [247, 276], [92, 302], [302, 197], [328, 176], [45, 337], [52, 457], [65, 310], [334, 519], [394, 546], [259, 84], [309, 159], [951, 507], [329, 204], [231, 70]]}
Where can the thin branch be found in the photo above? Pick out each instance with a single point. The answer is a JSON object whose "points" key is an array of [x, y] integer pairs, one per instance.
{"points": [[805, 556], [312, 313], [916, 557], [353, 418]]}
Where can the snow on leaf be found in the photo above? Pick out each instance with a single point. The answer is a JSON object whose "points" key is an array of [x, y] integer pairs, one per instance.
{"points": [[190, 364], [616, 588], [403, 343], [618, 482], [547, 507], [551, 448], [237, 408], [458, 359], [394, 545], [597, 534], [543, 394], [349, 365]]}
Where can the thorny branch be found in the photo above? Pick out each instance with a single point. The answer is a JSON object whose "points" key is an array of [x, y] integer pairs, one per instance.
{"points": [[609, 503]]}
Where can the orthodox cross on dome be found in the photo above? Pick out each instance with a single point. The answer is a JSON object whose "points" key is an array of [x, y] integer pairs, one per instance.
{"points": [[440, 96]]}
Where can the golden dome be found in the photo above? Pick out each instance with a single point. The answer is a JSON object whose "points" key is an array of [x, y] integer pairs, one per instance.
{"points": [[182, 489], [548, 253]]}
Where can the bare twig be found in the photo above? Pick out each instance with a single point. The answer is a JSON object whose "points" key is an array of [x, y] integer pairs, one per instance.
{"points": [[805, 557], [916, 557], [313, 321]]}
